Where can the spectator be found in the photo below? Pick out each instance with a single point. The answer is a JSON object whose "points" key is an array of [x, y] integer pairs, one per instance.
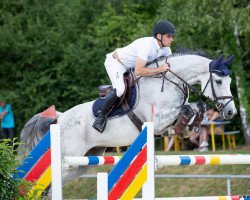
{"points": [[7, 121], [169, 138], [195, 139], [170, 142], [202, 143]]}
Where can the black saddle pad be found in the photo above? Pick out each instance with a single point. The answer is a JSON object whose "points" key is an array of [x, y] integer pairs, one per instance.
{"points": [[116, 111]]}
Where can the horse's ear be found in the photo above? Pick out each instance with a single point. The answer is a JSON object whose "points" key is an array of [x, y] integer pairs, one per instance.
{"points": [[221, 58], [217, 61], [229, 61]]}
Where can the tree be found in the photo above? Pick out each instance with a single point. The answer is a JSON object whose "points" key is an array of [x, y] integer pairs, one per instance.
{"points": [[210, 25], [53, 52], [46, 54]]}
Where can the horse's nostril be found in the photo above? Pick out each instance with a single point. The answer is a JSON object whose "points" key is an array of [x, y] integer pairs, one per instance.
{"points": [[230, 112]]}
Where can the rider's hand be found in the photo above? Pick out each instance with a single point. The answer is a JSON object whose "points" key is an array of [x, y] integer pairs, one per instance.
{"points": [[164, 67]]}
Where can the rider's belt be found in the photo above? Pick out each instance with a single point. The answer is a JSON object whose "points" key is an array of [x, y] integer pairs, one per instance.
{"points": [[115, 56]]}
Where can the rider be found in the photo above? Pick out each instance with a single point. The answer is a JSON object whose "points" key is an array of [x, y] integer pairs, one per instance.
{"points": [[135, 56]]}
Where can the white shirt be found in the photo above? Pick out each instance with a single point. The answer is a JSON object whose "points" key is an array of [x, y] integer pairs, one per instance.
{"points": [[146, 48]]}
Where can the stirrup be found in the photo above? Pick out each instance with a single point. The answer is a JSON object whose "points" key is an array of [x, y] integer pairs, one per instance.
{"points": [[100, 123]]}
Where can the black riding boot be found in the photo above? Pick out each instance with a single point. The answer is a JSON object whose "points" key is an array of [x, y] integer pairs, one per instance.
{"points": [[101, 120]]}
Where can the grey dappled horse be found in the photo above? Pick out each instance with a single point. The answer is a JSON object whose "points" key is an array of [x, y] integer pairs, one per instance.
{"points": [[78, 138]]}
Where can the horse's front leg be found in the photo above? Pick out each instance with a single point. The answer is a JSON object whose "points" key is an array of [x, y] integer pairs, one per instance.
{"points": [[181, 121], [198, 108], [194, 115]]}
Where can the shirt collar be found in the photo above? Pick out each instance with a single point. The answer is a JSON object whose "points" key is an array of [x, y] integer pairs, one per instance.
{"points": [[156, 44]]}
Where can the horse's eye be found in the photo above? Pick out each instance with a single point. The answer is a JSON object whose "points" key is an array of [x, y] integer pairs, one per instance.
{"points": [[219, 82]]}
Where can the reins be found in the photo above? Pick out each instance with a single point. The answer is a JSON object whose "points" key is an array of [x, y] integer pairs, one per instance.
{"points": [[189, 87]]}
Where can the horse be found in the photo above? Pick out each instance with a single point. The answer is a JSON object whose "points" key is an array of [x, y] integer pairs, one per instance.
{"points": [[164, 91]]}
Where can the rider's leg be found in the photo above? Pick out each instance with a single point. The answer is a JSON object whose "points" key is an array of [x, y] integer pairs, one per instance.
{"points": [[101, 120], [115, 71]]}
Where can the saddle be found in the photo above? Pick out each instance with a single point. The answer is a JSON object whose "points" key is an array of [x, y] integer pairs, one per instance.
{"points": [[124, 104], [128, 81]]}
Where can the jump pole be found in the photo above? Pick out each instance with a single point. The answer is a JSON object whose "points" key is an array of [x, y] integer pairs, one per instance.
{"points": [[164, 160], [56, 162]]}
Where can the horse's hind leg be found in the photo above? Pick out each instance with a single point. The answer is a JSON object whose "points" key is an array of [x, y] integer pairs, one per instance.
{"points": [[71, 174], [67, 176]]}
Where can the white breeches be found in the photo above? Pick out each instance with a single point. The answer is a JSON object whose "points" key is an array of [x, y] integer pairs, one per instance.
{"points": [[115, 72]]}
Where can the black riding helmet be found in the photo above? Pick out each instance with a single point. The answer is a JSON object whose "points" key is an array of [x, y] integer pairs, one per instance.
{"points": [[164, 27]]}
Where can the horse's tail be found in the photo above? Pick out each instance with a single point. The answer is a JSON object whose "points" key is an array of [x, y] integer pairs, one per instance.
{"points": [[34, 130]]}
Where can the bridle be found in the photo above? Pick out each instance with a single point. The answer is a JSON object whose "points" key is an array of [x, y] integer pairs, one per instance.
{"points": [[218, 105]]}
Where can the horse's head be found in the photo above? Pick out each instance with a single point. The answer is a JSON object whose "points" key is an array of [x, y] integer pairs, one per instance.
{"points": [[216, 86]]}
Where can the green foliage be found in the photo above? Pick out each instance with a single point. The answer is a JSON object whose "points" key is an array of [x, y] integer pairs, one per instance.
{"points": [[9, 188], [46, 53], [210, 25], [53, 52]]}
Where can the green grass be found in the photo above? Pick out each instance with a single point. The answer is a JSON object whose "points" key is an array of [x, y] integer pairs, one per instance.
{"points": [[83, 188]]}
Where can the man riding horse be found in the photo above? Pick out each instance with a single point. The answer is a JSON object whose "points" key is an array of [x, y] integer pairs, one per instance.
{"points": [[135, 56], [168, 91]]}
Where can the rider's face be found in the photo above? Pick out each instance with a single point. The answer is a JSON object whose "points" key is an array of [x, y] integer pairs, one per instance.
{"points": [[167, 40]]}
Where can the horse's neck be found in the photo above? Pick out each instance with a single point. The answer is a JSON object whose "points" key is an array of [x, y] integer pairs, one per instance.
{"points": [[190, 68]]}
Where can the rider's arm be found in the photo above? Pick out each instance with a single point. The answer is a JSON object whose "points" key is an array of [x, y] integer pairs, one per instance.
{"points": [[141, 70], [5, 112]]}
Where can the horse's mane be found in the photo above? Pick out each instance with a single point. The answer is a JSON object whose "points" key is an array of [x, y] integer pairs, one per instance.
{"points": [[181, 51], [184, 51]]}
